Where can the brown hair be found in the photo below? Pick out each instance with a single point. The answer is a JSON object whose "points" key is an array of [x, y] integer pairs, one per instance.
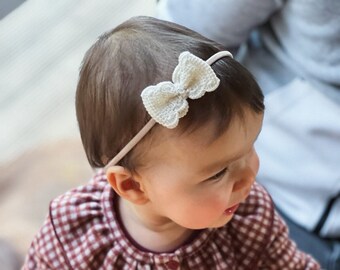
{"points": [[140, 52]]}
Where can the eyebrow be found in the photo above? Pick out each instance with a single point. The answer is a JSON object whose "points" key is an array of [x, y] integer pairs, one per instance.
{"points": [[219, 164]]}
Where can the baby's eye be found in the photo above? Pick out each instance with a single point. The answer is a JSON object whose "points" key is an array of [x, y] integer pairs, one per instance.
{"points": [[218, 175]]}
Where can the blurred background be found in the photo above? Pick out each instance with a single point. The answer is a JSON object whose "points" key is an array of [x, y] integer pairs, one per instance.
{"points": [[42, 43]]}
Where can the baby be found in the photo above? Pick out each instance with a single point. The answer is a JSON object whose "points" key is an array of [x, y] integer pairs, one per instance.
{"points": [[170, 120]]}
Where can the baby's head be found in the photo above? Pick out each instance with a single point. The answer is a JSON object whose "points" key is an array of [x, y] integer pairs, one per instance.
{"points": [[213, 141]]}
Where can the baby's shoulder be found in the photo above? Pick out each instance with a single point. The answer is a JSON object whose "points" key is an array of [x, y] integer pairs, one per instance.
{"points": [[79, 198], [79, 222], [73, 212], [76, 234]]}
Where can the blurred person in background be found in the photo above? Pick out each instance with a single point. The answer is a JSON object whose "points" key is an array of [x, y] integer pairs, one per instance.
{"points": [[293, 49]]}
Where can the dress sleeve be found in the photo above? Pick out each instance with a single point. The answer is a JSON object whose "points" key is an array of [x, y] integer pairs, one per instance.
{"points": [[282, 252], [45, 251], [228, 22]]}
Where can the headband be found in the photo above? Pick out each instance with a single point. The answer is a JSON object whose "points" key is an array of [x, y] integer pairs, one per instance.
{"points": [[166, 102]]}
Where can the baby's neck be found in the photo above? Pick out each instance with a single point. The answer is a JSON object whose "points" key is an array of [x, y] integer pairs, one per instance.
{"points": [[152, 233]]}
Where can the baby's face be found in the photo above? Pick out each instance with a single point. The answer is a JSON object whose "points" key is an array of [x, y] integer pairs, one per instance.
{"points": [[197, 184]]}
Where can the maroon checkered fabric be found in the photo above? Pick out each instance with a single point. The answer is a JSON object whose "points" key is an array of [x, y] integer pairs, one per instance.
{"points": [[82, 232]]}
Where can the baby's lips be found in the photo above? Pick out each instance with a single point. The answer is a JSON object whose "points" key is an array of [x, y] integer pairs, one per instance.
{"points": [[231, 210]]}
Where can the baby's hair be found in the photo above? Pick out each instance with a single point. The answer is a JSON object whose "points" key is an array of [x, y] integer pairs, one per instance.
{"points": [[140, 52]]}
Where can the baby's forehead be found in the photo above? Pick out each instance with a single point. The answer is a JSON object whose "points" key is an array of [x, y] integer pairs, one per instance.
{"points": [[201, 136], [165, 144], [168, 144]]}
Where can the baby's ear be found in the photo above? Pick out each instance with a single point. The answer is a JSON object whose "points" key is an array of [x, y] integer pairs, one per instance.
{"points": [[125, 186]]}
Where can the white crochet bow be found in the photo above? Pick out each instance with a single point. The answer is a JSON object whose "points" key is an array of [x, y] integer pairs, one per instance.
{"points": [[166, 102]]}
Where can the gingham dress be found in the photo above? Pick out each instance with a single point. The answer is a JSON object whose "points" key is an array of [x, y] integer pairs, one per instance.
{"points": [[82, 231]]}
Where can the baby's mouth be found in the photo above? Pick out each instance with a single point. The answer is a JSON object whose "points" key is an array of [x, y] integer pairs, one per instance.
{"points": [[231, 210]]}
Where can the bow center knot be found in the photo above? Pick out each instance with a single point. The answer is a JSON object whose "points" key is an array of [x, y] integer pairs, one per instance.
{"points": [[181, 92]]}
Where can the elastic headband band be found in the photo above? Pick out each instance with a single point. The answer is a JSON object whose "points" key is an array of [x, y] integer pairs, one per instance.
{"points": [[127, 148]]}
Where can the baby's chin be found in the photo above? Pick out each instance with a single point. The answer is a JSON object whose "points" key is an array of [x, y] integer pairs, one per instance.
{"points": [[216, 225]]}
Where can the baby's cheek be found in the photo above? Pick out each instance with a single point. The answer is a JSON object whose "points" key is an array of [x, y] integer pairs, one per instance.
{"points": [[217, 203], [215, 198]]}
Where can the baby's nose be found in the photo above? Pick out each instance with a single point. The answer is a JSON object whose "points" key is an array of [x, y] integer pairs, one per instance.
{"points": [[245, 180]]}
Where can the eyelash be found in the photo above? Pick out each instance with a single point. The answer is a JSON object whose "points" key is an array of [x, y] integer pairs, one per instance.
{"points": [[218, 175]]}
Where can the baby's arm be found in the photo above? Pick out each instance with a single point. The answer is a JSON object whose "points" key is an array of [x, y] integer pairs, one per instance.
{"points": [[282, 253], [45, 251]]}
